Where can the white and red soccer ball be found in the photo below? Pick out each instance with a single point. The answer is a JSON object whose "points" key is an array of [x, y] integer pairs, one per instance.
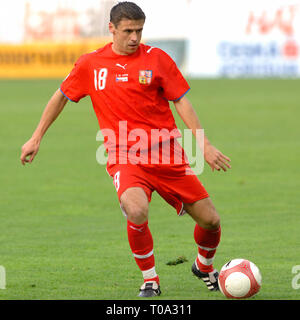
{"points": [[239, 278]]}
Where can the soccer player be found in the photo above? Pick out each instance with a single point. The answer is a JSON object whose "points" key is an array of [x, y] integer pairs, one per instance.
{"points": [[130, 85]]}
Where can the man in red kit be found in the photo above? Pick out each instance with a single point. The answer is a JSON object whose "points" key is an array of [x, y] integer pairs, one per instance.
{"points": [[130, 85]]}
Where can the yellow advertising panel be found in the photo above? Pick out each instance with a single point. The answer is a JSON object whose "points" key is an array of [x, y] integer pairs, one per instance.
{"points": [[43, 60]]}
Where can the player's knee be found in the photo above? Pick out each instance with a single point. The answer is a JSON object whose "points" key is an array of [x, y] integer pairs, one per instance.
{"points": [[211, 218], [134, 203], [137, 214], [213, 222], [205, 214]]}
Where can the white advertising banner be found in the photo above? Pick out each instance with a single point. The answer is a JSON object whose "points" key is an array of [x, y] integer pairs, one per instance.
{"points": [[237, 38], [69, 20]]}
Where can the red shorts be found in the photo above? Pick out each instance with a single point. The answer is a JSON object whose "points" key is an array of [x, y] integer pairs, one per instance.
{"points": [[170, 181]]}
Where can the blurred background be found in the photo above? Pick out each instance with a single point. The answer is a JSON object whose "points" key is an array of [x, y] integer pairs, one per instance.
{"points": [[213, 38]]}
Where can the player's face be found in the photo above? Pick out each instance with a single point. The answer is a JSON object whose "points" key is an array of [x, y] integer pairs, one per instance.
{"points": [[126, 36]]}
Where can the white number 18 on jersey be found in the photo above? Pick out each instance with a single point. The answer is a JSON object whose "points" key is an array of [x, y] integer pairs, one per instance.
{"points": [[100, 78]]}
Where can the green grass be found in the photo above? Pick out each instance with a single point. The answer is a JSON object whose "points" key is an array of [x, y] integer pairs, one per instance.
{"points": [[63, 235]]}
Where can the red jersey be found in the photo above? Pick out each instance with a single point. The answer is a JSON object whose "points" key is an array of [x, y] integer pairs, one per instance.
{"points": [[129, 92]]}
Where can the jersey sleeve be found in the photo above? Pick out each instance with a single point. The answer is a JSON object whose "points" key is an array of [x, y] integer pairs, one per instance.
{"points": [[74, 86], [172, 82]]}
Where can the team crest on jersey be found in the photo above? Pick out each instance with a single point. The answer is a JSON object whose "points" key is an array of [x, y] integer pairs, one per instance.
{"points": [[145, 76]]}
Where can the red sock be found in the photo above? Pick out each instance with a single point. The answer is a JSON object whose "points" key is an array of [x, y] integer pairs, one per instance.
{"points": [[141, 244], [207, 241]]}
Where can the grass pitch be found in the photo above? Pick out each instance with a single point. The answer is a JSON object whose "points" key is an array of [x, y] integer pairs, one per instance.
{"points": [[63, 235]]}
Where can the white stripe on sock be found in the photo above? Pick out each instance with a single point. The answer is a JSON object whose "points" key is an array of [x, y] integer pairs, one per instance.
{"points": [[206, 248], [205, 261], [149, 274], [143, 256]]}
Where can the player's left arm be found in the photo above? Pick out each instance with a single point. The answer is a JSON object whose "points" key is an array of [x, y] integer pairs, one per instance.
{"points": [[215, 158]]}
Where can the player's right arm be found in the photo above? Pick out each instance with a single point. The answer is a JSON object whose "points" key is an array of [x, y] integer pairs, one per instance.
{"points": [[51, 112]]}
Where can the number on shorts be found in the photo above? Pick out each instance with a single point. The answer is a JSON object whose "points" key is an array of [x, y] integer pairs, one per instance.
{"points": [[117, 180]]}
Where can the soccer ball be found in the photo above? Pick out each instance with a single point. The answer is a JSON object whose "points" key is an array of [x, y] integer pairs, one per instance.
{"points": [[239, 278]]}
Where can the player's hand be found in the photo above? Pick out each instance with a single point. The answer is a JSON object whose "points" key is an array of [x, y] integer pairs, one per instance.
{"points": [[216, 159], [29, 150]]}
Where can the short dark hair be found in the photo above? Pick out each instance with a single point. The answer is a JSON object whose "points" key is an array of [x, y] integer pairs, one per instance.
{"points": [[126, 10]]}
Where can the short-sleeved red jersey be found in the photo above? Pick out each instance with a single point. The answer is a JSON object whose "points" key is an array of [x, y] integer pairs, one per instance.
{"points": [[128, 90]]}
